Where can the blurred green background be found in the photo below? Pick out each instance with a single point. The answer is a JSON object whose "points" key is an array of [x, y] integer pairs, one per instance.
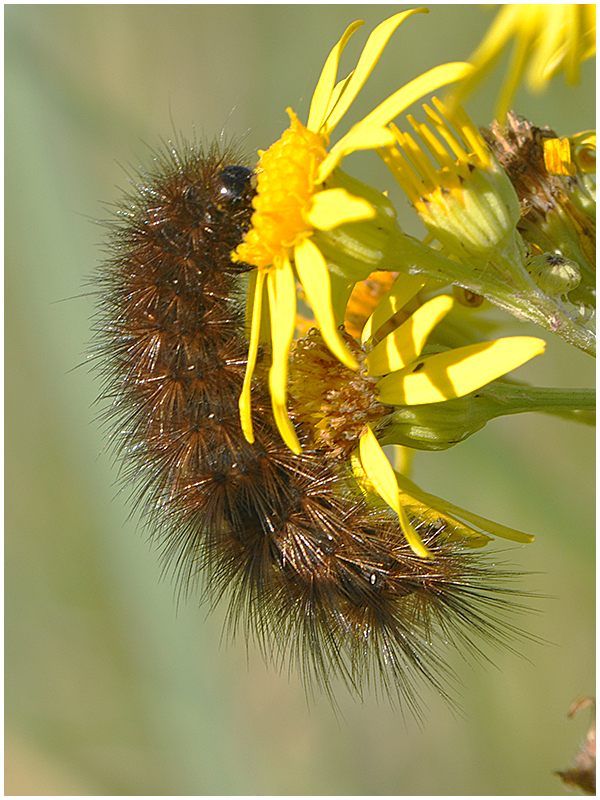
{"points": [[111, 687]]}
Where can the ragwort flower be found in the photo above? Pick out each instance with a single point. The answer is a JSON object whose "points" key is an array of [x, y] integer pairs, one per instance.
{"points": [[410, 378], [298, 195], [549, 38], [347, 415]]}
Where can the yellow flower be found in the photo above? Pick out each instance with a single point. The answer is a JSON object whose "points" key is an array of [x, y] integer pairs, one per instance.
{"points": [[412, 379], [557, 157], [468, 203], [342, 409], [549, 38], [294, 200]]}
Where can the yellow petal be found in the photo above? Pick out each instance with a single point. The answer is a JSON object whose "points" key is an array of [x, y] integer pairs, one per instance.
{"points": [[314, 277], [514, 74], [499, 33], [378, 469], [333, 207], [417, 88], [337, 91], [380, 474], [357, 468], [285, 427], [359, 137], [371, 131], [457, 372], [264, 334], [412, 537], [368, 58], [245, 402], [282, 302], [438, 504], [403, 345], [404, 288], [326, 86], [557, 157], [547, 40]]}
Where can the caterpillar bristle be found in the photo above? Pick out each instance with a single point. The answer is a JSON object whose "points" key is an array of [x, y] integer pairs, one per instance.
{"points": [[315, 575]]}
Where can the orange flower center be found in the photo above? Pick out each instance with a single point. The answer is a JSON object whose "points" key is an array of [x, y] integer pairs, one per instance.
{"points": [[285, 185]]}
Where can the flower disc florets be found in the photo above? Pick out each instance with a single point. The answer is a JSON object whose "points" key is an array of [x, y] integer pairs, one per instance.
{"points": [[334, 402], [285, 185]]}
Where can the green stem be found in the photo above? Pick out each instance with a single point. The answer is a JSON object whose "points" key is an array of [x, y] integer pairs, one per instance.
{"points": [[574, 404], [438, 426], [526, 302]]}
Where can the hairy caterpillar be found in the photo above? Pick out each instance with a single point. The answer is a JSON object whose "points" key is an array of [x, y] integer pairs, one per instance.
{"points": [[313, 572]]}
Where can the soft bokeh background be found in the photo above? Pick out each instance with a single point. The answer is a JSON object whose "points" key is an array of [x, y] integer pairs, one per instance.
{"points": [[112, 689]]}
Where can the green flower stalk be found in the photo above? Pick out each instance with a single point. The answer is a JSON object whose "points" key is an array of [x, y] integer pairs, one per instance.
{"points": [[438, 426]]}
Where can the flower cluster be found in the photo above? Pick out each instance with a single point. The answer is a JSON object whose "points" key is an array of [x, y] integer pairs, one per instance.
{"points": [[299, 193], [389, 377]]}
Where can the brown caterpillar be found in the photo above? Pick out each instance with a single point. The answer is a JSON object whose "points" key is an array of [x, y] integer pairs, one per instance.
{"points": [[313, 572]]}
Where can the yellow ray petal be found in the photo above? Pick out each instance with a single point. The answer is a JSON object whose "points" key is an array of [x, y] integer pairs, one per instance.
{"points": [[415, 89], [326, 86], [371, 131], [314, 276], [380, 474], [404, 288], [500, 31], [553, 23], [264, 334], [245, 402], [282, 302], [359, 137], [522, 48], [457, 372], [368, 58], [334, 207], [491, 47], [403, 345], [337, 91], [557, 157], [285, 427], [412, 537], [438, 504]]}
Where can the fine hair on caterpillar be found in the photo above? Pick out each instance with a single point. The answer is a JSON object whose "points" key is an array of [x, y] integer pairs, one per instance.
{"points": [[314, 573]]}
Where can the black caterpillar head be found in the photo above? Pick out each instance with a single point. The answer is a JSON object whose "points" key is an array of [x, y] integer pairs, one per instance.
{"points": [[236, 184]]}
